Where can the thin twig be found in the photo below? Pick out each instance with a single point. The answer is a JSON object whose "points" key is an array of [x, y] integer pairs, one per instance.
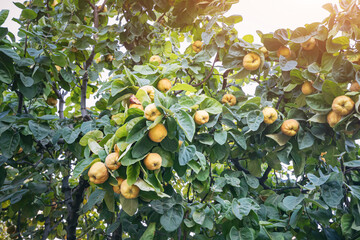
{"points": [[209, 75]]}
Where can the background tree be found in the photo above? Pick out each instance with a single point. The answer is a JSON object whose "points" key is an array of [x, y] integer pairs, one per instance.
{"points": [[199, 158]]}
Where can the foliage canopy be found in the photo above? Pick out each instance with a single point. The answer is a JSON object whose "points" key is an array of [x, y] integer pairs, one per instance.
{"points": [[232, 176]]}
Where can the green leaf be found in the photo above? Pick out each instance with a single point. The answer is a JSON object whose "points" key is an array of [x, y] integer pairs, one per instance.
{"points": [[332, 194], [110, 199], [242, 207], [254, 119], [59, 59], [342, 70], [331, 90], [280, 138], [317, 102], [199, 217], [220, 137], [132, 173], [126, 158], [305, 139], [69, 135], [145, 69], [95, 198], [318, 181], [244, 234], [170, 145], [332, 47], [346, 223], [137, 131], [212, 106], [233, 19], [121, 132], [142, 147], [186, 154], [9, 52], [129, 206], [28, 14], [9, 141], [186, 123], [172, 218], [83, 165], [95, 134], [67, 75], [355, 191], [252, 181], [149, 232], [94, 146], [254, 167], [354, 163], [183, 86], [3, 16], [239, 138], [291, 202], [5, 75], [40, 131]]}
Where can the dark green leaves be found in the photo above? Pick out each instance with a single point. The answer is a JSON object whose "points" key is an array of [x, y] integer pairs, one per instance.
{"points": [[244, 234], [132, 173], [149, 233], [40, 131], [242, 207], [254, 119], [317, 102], [9, 141], [343, 70], [172, 218], [3, 16], [290, 202], [332, 194], [186, 153], [331, 90], [96, 197], [186, 123], [28, 14]]}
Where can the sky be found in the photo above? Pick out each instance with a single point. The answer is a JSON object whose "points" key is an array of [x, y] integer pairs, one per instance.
{"points": [[263, 15]]}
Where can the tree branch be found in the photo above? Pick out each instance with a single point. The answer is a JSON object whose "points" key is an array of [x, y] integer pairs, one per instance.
{"points": [[73, 200], [61, 101], [117, 234], [21, 101], [210, 73], [279, 101], [225, 76]]}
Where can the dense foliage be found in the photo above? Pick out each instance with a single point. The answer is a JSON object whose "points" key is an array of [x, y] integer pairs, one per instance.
{"points": [[229, 168]]}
